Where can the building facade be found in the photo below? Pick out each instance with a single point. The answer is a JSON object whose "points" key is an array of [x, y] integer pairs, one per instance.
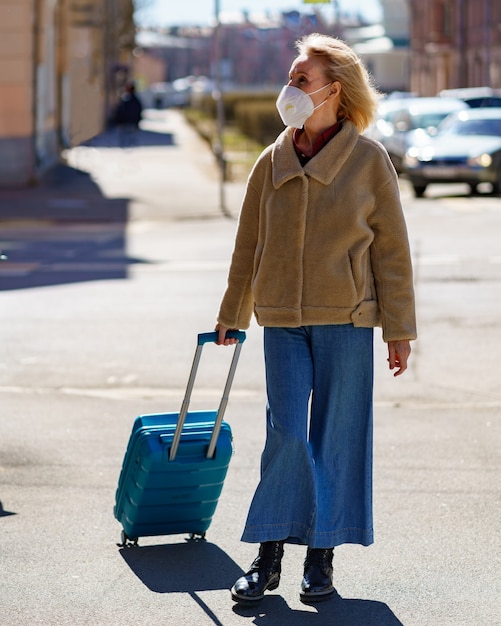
{"points": [[257, 50], [454, 44], [252, 52], [384, 47], [61, 62]]}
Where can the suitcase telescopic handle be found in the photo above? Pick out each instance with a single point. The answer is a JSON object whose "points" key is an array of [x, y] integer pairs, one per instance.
{"points": [[212, 336], [204, 338]]}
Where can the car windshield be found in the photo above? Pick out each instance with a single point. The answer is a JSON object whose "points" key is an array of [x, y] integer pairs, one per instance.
{"points": [[428, 120], [488, 101], [455, 126]]}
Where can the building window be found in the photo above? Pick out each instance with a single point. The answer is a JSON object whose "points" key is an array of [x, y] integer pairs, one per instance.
{"points": [[447, 22]]}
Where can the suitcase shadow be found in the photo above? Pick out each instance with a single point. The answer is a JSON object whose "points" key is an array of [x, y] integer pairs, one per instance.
{"points": [[183, 567]]}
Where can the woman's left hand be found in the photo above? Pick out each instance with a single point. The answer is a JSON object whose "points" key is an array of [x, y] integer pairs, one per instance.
{"points": [[398, 355]]}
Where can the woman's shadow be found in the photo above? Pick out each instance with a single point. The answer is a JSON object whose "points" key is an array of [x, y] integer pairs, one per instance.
{"points": [[196, 566], [337, 611]]}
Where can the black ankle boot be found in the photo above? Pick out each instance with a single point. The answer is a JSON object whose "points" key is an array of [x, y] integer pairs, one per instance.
{"points": [[263, 575], [317, 580]]}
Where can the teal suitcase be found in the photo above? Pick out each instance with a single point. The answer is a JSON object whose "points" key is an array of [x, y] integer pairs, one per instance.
{"points": [[175, 465]]}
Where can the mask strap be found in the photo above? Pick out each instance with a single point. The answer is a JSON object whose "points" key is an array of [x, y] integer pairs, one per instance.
{"points": [[321, 104], [320, 89]]}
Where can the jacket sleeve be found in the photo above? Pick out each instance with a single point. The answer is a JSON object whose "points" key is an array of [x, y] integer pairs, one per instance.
{"points": [[392, 266], [238, 303]]}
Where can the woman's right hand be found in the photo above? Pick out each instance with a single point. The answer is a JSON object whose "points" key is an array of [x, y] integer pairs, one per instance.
{"points": [[223, 340]]}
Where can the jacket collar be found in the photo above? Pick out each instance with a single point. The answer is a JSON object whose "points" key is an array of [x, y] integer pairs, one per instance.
{"points": [[323, 167]]}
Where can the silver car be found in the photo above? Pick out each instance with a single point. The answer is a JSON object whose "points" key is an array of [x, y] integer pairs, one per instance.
{"points": [[412, 122], [466, 149]]}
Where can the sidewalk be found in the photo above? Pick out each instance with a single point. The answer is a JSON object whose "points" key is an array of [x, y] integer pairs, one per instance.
{"points": [[169, 174], [92, 198]]}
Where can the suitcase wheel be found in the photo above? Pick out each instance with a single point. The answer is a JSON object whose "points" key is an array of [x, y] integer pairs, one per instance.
{"points": [[127, 541], [197, 536]]}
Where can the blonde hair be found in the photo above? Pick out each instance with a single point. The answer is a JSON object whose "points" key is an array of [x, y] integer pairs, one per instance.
{"points": [[359, 98]]}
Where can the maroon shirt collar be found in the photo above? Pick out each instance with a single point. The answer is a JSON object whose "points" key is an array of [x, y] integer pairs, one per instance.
{"points": [[320, 141]]}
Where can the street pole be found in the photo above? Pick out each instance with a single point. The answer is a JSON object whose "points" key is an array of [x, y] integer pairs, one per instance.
{"points": [[487, 42], [218, 96]]}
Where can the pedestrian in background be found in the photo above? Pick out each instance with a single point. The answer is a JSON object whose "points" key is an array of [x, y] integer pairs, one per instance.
{"points": [[321, 257], [128, 114]]}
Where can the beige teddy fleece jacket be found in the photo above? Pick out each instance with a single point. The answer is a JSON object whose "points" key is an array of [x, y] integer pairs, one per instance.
{"points": [[323, 244]]}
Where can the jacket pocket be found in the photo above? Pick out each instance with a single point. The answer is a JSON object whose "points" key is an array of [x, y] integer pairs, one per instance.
{"points": [[366, 315]]}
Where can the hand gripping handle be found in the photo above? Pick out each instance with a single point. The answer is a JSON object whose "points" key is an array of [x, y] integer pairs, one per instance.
{"points": [[204, 338], [212, 336]]}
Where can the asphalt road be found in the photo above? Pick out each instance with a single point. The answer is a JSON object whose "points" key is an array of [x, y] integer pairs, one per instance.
{"points": [[111, 275]]}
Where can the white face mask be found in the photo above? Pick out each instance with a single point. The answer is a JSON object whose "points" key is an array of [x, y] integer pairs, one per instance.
{"points": [[295, 106]]}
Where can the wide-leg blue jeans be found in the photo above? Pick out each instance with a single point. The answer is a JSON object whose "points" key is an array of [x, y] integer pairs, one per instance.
{"points": [[316, 467]]}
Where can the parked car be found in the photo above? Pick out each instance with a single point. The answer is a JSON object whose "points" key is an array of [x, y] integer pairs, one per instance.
{"points": [[466, 149], [412, 122], [475, 96], [382, 128], [178, 93]]}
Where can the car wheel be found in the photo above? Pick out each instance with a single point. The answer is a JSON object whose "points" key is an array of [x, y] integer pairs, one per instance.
{"points": [[496, 188], [419, 190]]}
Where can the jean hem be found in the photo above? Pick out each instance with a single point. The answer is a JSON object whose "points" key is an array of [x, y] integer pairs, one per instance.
{"points": [[299, 534]]}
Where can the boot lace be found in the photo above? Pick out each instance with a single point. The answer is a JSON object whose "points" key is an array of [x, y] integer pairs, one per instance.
{"points": [[269, 556], [321, 557]]}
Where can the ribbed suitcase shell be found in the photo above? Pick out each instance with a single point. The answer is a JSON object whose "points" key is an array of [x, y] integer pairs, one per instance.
{"points": [[156, 496], [175, 464]]}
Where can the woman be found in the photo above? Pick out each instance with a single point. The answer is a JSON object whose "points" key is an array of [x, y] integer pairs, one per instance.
{"points": [[321, 257]]}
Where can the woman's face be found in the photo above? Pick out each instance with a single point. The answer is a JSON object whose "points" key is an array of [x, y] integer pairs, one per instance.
{"points": [[307, 74]]}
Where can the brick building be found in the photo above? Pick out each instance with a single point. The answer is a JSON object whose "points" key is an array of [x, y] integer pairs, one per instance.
{"points": [[59, 65], [255, 52], [455, 43]]}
